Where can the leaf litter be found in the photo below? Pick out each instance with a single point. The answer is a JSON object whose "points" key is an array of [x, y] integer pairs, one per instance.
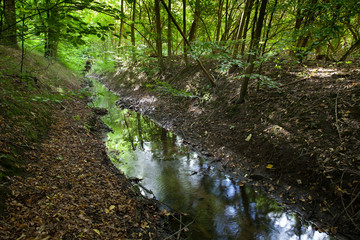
{"points": [[72, 191]]}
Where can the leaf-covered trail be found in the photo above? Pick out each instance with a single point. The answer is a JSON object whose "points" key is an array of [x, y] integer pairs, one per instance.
{"points": [[71, 191]]}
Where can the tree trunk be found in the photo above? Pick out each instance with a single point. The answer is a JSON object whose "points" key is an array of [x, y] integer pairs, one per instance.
{"points": [[219, 16], [269, 28], [158, 34], [252, 57], [210, 78], [9, 36], [266, 38], [243, 40], [299, 18], [226, 31], [306, 19], [253, 29], [121, 31], [169, 33], [53, 32], [184, 31], [1, 18], [195, 23], [133, 30], [351, 49], [241, 28]]}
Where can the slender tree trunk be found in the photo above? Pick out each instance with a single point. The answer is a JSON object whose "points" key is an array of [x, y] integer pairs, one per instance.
{"points": [[266, 38], [299, 18], [241, 28], [269, 27], [210, 78], [245, 29], [219, 16], [1, 19], [133, 30], [184, 31], [253, 29], [53, 32], [9, 36], [169, 33], [22, 45], [226, 30], [158, 34], [206, 29], [252, 57], [351, 49], [306, 19], [121, 31]]}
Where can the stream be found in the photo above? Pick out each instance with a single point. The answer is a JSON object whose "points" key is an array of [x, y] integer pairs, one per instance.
{"points": [[186, 182]]}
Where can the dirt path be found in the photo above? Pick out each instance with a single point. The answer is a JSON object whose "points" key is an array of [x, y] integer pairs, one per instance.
{"points": [[72, 191]]}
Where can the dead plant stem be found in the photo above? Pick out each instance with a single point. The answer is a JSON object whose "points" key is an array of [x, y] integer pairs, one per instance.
{"points": [[180, 229], [336, 114]]}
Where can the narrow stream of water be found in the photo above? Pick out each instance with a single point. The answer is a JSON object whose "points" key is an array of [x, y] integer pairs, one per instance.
{"points": [[180, 178]]}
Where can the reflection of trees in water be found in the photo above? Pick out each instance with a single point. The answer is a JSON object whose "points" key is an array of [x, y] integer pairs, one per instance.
{"points": [[298, 228], [139, 127], [173, 188], [164, 141], [234, 205], [130, 138]]}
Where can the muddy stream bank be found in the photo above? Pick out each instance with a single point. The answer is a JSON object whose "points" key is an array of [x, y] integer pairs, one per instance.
{"points": [[219, 205]]}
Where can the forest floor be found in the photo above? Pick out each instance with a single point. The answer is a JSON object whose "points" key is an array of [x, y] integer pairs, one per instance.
{"points": [[298, 141], [71, 190]]}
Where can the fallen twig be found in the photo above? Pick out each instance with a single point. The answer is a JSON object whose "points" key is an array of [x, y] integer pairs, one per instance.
{"points": [[180, 229], [178, 237], [347, 213], [336, 115], [145, 189], [294, 82]]}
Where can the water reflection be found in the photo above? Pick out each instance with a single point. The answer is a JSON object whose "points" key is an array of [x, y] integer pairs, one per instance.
{"points": [[184, 181]]}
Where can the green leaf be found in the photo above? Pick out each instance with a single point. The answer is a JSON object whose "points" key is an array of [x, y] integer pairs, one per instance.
{"points": [[248, 137], [97, 231]]}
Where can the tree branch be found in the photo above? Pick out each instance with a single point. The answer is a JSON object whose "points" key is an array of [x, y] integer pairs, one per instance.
{"points": [[211, 79]]}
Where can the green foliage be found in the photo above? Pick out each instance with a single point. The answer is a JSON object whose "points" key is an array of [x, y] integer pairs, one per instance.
{"points": [[73, 58], [218, 51], [166, 88], [104, 65], [263, 80]]}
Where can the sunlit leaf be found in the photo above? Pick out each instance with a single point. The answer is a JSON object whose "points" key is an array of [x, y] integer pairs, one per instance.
{"points": [[144, 224], [97, 231], [248, 137], [269, 166]]}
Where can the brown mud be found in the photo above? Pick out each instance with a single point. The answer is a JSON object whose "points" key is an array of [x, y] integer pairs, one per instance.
{"points": [[299, 141]]}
